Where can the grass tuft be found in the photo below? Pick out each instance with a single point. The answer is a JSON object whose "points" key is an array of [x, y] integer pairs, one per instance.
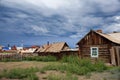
{"points": [[68, 76]]}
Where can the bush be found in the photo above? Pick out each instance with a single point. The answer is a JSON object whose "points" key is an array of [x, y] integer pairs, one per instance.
{"points": [[100, 66]]}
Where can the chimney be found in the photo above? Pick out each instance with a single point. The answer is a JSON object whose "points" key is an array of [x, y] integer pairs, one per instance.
{"points": [[48, 43], [100, 31]]}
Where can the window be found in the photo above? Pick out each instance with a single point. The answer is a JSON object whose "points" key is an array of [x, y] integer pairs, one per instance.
{"points": [[94, 51]]}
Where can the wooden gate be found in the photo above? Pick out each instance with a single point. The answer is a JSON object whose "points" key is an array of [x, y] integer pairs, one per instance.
{"points": [[115, 55]]}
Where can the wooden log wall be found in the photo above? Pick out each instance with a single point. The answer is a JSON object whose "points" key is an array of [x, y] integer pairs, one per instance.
{"points": [[103, 54]]}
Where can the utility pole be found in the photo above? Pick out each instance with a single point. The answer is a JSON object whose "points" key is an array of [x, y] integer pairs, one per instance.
{"points": [[22, 43]]}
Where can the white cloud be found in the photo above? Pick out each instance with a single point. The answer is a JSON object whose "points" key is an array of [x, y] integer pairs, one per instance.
{"points": [[113, 26], [117, 18], [39, 30]]}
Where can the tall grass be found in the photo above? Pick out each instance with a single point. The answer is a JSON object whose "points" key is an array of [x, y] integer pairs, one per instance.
{"points": [[41, 58], [78, 66]]}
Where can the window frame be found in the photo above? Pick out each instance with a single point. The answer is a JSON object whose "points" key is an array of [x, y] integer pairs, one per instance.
{"points": [[94, 56]]}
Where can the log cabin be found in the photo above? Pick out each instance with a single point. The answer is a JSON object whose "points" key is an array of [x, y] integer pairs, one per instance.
{"points": [[96, 45]]}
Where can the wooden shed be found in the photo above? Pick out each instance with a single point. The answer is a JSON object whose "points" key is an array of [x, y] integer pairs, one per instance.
{"points": [[53, 49], [99, 46]]}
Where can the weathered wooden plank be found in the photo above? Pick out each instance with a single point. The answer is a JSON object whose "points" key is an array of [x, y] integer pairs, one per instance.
{"points": [[118, 55], [112, 52]]}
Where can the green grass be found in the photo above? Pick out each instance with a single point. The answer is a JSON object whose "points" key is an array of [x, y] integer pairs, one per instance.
{"points": [[68, 76], [41, 58], [33, 58], [20, 73], [32, 77], [75, 65]]}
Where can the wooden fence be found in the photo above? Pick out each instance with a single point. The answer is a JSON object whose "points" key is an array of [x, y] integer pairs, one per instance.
{"points": [[10, 56], [14, 56], [115, 55]]}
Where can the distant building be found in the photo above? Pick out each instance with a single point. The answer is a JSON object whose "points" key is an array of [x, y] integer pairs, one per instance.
{"points": [[6, 48], [52, 49], [19, 48], [29, 49]]}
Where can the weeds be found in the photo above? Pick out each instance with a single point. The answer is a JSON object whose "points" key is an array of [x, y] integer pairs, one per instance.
{"points": [[41, 58], [78, 66], [20, 73], [32, 77], [68, 76]]}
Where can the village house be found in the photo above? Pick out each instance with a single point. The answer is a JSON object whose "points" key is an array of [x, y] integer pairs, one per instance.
{"points": [[99, 46], [29, 49], [55, 49]]}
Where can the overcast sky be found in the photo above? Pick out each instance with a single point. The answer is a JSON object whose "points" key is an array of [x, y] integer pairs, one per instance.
{"points": [[39, 21]]}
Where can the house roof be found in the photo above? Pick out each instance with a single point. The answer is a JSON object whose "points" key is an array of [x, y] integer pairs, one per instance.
{"points": [[113, 37], [54, 47]]}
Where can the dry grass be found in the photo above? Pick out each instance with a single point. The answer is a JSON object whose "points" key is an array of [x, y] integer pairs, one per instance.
{"points": [[24, 64]]}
